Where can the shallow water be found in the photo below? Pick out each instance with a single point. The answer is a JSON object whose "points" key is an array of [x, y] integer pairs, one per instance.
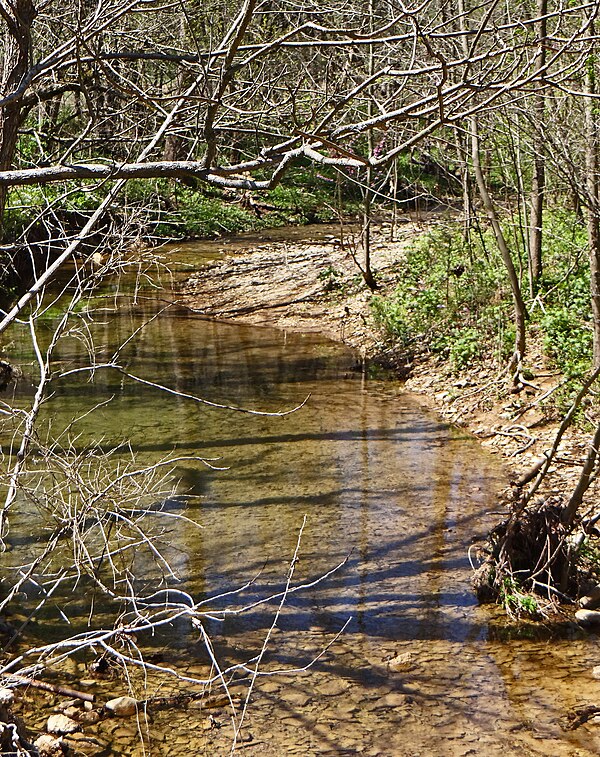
{"points": [[420, 668]]}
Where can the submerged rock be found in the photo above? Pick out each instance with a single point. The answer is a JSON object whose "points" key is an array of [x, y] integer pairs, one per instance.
{"points": [[80, 744], [122, 707], [61, 724], [48, 746]]}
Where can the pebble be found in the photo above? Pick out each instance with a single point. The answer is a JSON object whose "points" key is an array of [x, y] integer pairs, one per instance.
{"points": [[269, 687], [81, 744], [71, 712], [297, 698], [67, 705], [61, 724], [402, 660], [90, 718], [6, 696], [333, 688], [393, 699]]}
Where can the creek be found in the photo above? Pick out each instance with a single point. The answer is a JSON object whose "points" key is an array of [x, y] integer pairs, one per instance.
{"points": [[421, 668]]}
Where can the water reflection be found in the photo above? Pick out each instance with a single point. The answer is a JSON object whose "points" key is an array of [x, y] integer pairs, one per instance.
{"points": [[383, 484]]}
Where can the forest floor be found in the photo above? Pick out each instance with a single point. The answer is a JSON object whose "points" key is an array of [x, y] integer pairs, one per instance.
{"points": [[315, 285]]}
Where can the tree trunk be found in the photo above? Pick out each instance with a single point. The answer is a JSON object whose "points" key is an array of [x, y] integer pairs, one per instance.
{"points": [[593, 199], [13, 68], [538, 182], [520, 312], [367, 207]]}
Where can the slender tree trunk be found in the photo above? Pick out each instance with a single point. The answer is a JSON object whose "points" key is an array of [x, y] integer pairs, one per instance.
{"points": [[14, 64], [520, 311], [367, 208], [593, 198], [585, 479], [465, 178], [538, 182]]}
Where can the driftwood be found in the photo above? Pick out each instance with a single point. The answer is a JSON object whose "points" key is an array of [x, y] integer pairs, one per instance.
{"points": [[580, 715], [209, 702], [531, 473], [55, 689]]}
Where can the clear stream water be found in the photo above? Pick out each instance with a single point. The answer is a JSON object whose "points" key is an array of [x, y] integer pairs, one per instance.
{"points": [[421, 669]]}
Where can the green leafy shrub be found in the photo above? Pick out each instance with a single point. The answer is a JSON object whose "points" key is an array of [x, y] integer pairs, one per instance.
{"points": [[450, 298], [568, 341], [465, 347]]}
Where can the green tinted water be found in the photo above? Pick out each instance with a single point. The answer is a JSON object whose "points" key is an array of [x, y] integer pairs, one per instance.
{"points": [[420, 668]]}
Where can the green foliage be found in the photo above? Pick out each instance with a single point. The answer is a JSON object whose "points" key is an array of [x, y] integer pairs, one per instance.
{"points": [[176, 209], [331, 278], [451, 298], [565, 293], [516, 602], [455, 300], [567, 341], [305, 197], [465, 347]]}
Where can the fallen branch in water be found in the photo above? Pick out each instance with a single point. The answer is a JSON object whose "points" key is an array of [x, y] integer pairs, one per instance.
{"points": [[55, 689], [580, 715]]}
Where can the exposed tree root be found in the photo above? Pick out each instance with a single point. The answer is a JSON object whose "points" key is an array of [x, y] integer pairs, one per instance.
{"points": [[530, 552]]}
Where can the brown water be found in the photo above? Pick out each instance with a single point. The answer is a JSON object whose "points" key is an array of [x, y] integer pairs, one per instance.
{"points": [[420, 668]]}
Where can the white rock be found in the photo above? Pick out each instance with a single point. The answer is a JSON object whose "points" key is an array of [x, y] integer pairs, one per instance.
{"points": [[48, 746], [123, 707], [6, 696], [61, 724]]}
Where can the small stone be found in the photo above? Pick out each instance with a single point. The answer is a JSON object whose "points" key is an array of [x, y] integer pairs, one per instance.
{"points": [[587, 617], [596, 672], [81, 744], [6, 697], [90, 717], [333, 688], [67, 705], [400, 661], [591, 600], [393, 699], [72, 712], [122, 707], [296, 698], [48, 746], [61, 724]]}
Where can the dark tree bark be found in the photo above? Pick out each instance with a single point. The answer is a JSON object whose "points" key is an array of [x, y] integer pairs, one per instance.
{"points": [[538, 183], [593, 198], [18, 17]]}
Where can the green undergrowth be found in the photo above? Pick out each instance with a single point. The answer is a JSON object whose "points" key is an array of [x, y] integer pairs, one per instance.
{"points": [[452, 298], [169, 209]]}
